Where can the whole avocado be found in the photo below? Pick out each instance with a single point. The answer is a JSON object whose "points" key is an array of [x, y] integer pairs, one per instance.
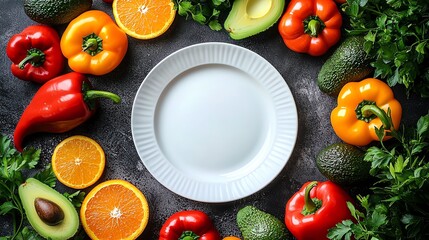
{"points": [[55, 12], [348, 63], [256, 224], [343, 164]]}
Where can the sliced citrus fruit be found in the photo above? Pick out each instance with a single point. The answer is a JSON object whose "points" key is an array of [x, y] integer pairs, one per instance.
{"points": [[231, 238], [114, 209], [78, 161], [144, 19]]}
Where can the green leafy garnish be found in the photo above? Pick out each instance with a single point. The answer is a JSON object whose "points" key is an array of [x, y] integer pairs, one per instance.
{"points": [[397, 208], [397, 36], [13, 170], [206, 12], [13, 163]]}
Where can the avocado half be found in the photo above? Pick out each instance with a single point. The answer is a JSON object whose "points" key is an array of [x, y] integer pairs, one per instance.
{"points": [[250, 17], [33, 189]]}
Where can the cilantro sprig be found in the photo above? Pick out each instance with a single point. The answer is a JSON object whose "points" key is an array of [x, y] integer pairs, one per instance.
{"points": [[205, 12], [397, 208], [397, 36], [14, 168]]}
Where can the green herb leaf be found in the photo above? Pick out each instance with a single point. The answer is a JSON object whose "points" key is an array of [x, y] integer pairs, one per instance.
{"points": [[203, 11], [46, 176], [397, 207], [75, 198], [14, 166], [341, 230], [6, 207], [396, 38]]}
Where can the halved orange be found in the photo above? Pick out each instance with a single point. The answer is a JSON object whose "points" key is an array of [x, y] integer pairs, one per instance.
{"points": [[144, 19], [78, 161], [114, 209]]}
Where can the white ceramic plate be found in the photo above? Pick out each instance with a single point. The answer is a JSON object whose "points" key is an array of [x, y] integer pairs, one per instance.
{"points": [[214, 122]]}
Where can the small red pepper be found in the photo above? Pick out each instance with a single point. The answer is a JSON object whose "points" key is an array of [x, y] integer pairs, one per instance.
{"points": [[189, 225], [315, 208], [36, 54], [311, 26], [59, 105]]}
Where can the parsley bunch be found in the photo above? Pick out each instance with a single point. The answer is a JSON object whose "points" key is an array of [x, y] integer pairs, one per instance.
{"points": [[14, 166], [397, 37], [398, 205], [206, 12]]}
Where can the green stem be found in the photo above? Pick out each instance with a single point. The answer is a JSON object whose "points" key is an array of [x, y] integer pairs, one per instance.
{"points": [[311, 204], [18, 206], [189, 235], [313, 25], [34, 56], [92, 44], [93, 94], [372, 109]]}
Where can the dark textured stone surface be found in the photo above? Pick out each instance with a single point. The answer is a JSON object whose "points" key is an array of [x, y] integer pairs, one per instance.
{"points": [[111, 125]]}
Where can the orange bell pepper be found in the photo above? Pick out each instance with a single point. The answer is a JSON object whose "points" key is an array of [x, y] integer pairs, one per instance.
{"points": [[93, 43], [362, 107]]}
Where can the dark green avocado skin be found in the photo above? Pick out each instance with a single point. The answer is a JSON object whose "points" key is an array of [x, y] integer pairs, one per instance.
{"points": [[256, 224], [343, 164], [348, 63], [55, 12]]}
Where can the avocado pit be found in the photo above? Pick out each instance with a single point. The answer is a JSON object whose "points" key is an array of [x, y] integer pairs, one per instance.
{"points": [[48, 211]]}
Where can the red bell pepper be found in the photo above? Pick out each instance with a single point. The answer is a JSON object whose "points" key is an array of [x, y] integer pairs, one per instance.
{"points": [[315, 208], [189, 225], [59, 105], [311, 26], [36, 54]]}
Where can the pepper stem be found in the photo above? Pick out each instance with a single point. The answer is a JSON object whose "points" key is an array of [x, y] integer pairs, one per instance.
{"points": [[34, 56], [93, 94], [313, 25], [92, 44], [189, 235], [368, 110], [311, 204]]}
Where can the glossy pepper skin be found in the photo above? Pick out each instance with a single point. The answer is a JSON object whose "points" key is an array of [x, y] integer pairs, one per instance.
{"points": [[35, 54], [59, 105], [362, 107], [315, 208], [189, 225], [93, 43], [311, 26]]}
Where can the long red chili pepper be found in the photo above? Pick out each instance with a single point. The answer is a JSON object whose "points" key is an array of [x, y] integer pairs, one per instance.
{"points": [[59, 105]]}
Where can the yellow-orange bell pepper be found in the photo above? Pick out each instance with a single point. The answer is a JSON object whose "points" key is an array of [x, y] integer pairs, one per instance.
{"points": [[93, 43], [362, 107]]}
